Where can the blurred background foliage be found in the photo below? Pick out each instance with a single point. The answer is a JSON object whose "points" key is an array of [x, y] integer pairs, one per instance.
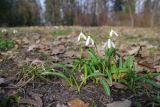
{"points": [[142, 13]]}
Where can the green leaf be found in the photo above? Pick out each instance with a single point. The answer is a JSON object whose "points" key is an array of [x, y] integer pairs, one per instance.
{"points": [[59, 74], [153, 83], [85, 72], [95, 74], [106, 87]]}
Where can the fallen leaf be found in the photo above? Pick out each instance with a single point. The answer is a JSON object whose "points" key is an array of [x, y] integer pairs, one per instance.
{"points": [[25, 40], [31, 47], [77, 103], [125, 103], [118, 85], [58, 50], [134, 50], [157, 68], [2, 80], [147, 65], [37, 98], [67, 61], [70, 53], [157, 78], [37, 62], [28, 101], [61, 105]]}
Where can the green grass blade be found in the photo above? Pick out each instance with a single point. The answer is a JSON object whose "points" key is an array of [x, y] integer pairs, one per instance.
{"points": [[153, 83], [59, 74], [106, 87], [95, 74]]}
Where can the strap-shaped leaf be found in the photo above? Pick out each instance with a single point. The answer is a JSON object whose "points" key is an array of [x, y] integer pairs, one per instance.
{"points": [[106, 87]]}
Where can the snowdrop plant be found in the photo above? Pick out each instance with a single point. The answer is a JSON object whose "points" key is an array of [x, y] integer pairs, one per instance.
{"points": [[100, 69], [82, 37]]}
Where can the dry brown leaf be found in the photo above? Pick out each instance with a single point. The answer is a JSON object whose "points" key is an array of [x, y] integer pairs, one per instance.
{"points": [[37, 98], [31, 48], [147, 65], [77, 103], [119, 85], [58, 50], [157, 68], [61, 105], [70, 53], [37, 62], [2, 80], [134, 50], [25, 40], [28, 101], [157, 78], [125, 103]]}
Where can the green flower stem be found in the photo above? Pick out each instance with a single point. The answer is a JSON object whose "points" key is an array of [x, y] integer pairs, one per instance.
{"points": [[81, 49]]}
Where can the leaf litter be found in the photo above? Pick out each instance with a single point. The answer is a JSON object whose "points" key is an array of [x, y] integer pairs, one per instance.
{"points": [[62, 50]]}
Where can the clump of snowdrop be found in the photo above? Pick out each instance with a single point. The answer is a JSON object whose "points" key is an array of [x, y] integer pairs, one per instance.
{"points": [[89, 42], [109, 44], [4, 30]]}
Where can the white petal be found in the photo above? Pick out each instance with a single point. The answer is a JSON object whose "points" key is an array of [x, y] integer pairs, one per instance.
{"points": [[81, 36], [111, 33], [105, 45], [109, 43], [115, 33], [113, 45], [90, 42], [87, 41]]}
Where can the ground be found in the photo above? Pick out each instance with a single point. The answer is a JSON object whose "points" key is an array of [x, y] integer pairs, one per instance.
{"points": [[38, 48]]}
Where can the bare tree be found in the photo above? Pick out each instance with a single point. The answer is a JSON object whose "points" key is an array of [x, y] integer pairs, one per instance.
{"points": [[131, 13]]}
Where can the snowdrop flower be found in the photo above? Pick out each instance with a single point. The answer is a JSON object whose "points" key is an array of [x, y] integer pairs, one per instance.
{"points": [[112, 32], [89, 41], [109, 44], [82, 36], [15, 31], [4, 30]]}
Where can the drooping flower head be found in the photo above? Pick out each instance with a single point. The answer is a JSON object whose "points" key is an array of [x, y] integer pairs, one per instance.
{"points": [[82, 36], [108, 44], [112, 32], [15, 31], [89, 42]]}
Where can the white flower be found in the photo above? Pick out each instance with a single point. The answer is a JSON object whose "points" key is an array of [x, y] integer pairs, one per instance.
{"points": [[4, 30], [89, 42], [82, 36], [112, 32], [109, 44], [15, 31]]}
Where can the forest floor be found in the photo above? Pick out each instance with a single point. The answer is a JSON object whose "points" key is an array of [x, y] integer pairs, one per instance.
{"points": [[39, 48]]}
